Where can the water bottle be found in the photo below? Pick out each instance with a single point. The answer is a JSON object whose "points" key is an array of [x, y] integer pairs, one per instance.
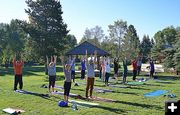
{"points": [[74, 106]]}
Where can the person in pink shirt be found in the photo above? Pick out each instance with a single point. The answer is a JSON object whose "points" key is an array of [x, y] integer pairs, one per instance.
{"points": [[103, 69]]}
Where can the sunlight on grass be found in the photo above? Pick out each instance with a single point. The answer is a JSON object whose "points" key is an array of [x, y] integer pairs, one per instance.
{"points": [[129, 100]]}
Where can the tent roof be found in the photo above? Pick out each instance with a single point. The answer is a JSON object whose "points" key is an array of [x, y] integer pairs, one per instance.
{"points": [[81, 49]]}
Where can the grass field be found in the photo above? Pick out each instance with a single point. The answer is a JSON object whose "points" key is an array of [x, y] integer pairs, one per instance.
{"points": [[129, 100]]}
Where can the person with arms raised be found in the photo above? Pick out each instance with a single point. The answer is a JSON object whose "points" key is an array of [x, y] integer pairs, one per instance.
{"points": [[52, 72], [18, 65], [90, 65]]}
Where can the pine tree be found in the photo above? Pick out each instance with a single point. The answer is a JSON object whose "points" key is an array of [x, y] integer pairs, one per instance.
{"points": [[46, 27]]}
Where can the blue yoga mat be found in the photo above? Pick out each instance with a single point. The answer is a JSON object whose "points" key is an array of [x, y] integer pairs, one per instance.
{"points": [[155, 93]]}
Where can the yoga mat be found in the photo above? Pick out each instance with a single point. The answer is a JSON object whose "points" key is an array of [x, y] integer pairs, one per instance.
{"points": [[118, 86], [135, 83], [155, 93], [32, 93], [103, 99], [100, 91], [59, 87], [83, 83], [105, 90], [11, 110], [83, 103], [62, 93]]}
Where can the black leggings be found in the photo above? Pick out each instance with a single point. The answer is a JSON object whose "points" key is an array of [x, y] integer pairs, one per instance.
{"points": [[82, 74], [52, 80], [18, 79], [67, 87], [107, 77], [134, 74]]}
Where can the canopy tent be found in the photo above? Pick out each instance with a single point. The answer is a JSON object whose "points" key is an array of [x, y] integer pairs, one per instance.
{"points": [[81, 50]]}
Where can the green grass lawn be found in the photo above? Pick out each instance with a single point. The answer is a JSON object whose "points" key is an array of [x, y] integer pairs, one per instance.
{"points": [[129, 100]]}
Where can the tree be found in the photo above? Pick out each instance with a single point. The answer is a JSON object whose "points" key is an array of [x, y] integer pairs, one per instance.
{"points": [[145, 47], [163, 49], [176, 57], [94, 35], [108, 45], [12, 40], [71, 45], [46, 27], [130, 43], [158, 47], [117, 32]]}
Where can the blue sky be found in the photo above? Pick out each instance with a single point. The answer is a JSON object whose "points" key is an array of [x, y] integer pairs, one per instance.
{"points": [[147, 16]]}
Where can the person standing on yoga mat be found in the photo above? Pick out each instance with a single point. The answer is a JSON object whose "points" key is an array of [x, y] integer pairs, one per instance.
{"points": [[151, 68], [90, 73], [134, 66], [18, 65], [73, 69], [67, 82], [83, 68], [103, 69], [139, 63], [52, 72], [107, 70], [100, 69], [125, 70], [116, 67]]}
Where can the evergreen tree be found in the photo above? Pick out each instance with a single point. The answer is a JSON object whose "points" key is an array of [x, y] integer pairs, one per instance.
{"points": [[176, 57], [130, 43], [46, 27]]}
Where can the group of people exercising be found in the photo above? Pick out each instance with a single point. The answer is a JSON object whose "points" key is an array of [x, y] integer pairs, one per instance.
{"points": [[87, 63]]}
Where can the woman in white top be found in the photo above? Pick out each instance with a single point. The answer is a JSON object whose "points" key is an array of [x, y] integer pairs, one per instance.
{"points": [[107, 70], [102, 69]]}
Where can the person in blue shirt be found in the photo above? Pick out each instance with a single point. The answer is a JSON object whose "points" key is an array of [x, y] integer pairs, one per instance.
{"points": [[83, 68], [73, 69]]}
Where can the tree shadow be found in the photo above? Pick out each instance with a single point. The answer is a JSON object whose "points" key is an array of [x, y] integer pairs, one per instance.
{"points": [[26, 70], [165, 82], [45, 96], [161, 77], [129, 93], [78, 89], [139, 105], [6, 71], [115, 110], [152, 84], [140, 88], [99, 85]]}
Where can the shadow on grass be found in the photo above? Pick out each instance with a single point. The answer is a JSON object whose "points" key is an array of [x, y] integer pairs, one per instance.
{"points": [[27, 71], [139, 105], [78, 89], [147, 84], [115, 110], [140, 88], [111, 109], [100, 85], [165, 82], [160, 77], [129, 93], [45, 96]]}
